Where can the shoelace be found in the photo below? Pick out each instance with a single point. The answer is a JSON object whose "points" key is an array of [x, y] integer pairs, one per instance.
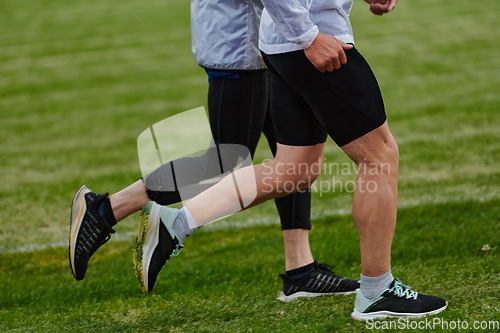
{"points": [[400, 290], [177, 250], [105, 240], [108, 236]]}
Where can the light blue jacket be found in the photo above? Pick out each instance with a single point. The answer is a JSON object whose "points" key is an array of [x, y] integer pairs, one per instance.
{"points": [[225, 34]]}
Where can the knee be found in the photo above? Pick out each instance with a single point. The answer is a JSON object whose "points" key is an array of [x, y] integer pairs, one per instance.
{"points": [[391, 154], [301, 174], [383, 161], [307, 175], [298, 167]]}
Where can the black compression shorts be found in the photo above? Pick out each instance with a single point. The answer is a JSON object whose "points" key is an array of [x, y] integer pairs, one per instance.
{"points": [[306, 104]]}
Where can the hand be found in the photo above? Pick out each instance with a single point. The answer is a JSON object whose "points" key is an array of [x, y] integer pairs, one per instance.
{"points": [[327, 53], [380, 7]]}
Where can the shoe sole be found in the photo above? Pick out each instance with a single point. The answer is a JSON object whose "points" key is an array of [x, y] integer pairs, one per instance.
{"points": [[284, 298], [146, 242], [356, 315], [78, 210]]}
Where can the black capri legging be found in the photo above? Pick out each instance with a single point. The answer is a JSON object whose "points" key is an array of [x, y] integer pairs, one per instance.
{"points": [[238, 113]]}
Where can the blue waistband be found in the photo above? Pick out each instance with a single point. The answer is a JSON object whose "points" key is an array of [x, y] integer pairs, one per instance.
{"points": [[212, 74]]}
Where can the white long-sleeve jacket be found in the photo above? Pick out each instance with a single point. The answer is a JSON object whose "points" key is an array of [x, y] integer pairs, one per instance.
{"points": [[290, 25]]}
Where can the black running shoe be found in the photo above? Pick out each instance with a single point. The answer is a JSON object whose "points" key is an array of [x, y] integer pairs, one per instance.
{"points": [[397, 301], [321, 281], [87, 230], [155, 243]]}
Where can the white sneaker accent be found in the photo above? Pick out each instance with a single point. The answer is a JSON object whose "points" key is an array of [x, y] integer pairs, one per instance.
{"points": [[78, 209]]}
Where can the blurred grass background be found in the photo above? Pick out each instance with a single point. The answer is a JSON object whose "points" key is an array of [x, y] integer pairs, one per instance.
{"points": [[79, 81]]}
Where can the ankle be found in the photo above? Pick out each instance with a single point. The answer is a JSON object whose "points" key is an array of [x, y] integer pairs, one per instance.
{"points": [[106, 213], [371, 287], [301, 272]]}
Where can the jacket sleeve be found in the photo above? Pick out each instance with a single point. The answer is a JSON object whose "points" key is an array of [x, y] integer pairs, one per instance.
{"points": [[292, 20]]}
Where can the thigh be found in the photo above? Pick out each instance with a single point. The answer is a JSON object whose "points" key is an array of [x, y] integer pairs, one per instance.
{"points": [[347, 102], [294, 123], [237, 107]]}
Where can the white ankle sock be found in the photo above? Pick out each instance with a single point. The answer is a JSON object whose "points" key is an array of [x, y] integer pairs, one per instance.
{"points": [[185, 224], [371, 287]]}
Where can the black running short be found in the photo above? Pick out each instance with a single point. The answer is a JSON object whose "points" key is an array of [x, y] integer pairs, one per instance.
{"points": [[306, 104]]}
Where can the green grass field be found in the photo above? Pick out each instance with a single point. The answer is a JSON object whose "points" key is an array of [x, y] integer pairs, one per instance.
{"points": [[79, 81]]}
